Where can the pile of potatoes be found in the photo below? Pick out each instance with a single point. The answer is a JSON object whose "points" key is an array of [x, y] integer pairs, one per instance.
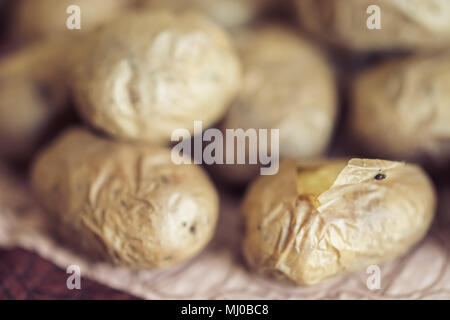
{"points": [[139, 69]]}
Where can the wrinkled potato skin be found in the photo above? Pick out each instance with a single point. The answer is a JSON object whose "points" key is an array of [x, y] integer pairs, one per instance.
{"points": [[412, 24], [400, 109], [149, 73], [360, 221], [287, 85], [34, 19], [33, 94], [227, 13], [125, 203]]}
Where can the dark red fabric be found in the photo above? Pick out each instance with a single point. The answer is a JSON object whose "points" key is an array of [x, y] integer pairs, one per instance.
{"points": [[25, 275]]}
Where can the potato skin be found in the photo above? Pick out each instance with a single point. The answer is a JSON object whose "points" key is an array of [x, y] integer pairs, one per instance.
{"points": [[33, 97], [227, 13], [400, 109], [47, 18], [149, 73], [360, 220], [406, 25], [287, 85], [124, 203]]}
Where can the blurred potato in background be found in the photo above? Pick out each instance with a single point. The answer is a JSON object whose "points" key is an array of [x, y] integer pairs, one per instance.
{"points": [[289, 85], [228, 13], [406, 25], [149, 73], [33, 95], [33, 19], [401, 109]]}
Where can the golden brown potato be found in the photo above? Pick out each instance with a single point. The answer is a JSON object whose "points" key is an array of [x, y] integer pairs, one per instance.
{"points": [[412, 24], [47, 18], [228, 13], [125, 203], [287, 85], [319, 220], [401, 109], [147, 74], [33, 94]]}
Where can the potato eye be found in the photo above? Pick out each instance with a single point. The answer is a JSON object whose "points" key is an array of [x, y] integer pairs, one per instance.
{"points": [[380, 176]]}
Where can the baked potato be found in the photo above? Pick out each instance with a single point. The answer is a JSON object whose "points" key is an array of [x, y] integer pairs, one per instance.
{"points": [[127, 204], [317, 220], [228, 13], [405, 25], [400, 109], [33, 19], [33, 97], [289, 85], [148, 73]]}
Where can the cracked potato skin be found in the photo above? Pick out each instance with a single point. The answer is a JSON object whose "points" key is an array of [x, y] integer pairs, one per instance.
{"points": [[124, 203], [358, 221], [148, 73], [400, 109], [406, 25]]}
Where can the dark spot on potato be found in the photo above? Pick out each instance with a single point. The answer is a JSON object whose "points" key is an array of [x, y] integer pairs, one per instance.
{"points": [[193, 229], [380, 176], [164, 179], [301, 198]]}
